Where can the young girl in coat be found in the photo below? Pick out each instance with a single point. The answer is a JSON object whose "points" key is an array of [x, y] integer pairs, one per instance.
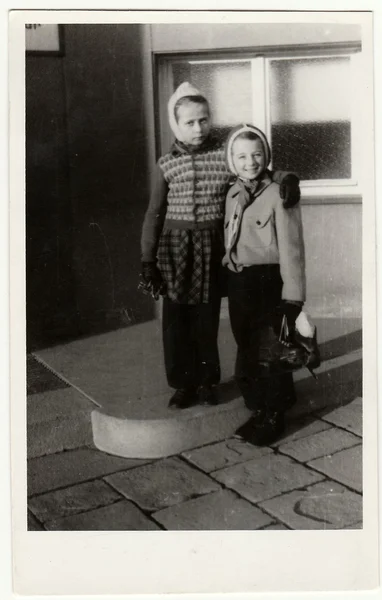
{"points": [[182, 246], [266, 278]]}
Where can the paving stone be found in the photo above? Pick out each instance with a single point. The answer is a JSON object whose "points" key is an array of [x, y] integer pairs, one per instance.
{"points": [[265, 477], [50, 437], [33, 524], [72, 500], [323, 443], [344, 466], [54, 471], [349, 417], [297, 429], [220, 510], [224, 454], [120, 516], [162, 484], [326, 505]]}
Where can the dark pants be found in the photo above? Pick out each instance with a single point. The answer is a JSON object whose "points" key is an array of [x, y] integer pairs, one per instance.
{"points": [[190, 340], [254, 298]]}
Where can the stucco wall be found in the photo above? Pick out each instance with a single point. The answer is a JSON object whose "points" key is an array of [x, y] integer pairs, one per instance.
{"points": [[333, 242], [88, 183], [211, 36]]}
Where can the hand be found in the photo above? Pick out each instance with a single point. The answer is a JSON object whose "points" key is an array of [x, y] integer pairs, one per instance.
{"points": [[290, 190], [151, 281], [291, 311]]}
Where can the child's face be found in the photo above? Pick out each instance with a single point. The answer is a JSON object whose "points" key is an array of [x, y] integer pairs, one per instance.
{"points": [[248, 158], [194, 123]]}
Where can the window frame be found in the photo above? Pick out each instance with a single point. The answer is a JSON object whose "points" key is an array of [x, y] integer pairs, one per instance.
{"points": [[324, 191]]}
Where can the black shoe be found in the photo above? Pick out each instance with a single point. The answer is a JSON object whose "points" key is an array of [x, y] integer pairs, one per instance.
{"points": [[263, 431], [269, 431], [207, 395], [183, 398], [246, 430], [290, 400]]}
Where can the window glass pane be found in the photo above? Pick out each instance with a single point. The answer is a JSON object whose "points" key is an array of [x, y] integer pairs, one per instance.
{"points": [[310, 117], [227, 85]]}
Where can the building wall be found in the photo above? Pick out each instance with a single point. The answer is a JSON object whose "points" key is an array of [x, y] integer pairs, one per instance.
{"points": [[333, 243], [178, 37], [90, 152], [333, 231], [87, 183], [50, 302]]}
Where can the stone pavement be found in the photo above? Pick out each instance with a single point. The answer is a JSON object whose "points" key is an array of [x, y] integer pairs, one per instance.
{"points": [[309, 479]]}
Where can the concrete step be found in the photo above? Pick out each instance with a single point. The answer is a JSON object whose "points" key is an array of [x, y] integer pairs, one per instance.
{"points": [[122, 374]]}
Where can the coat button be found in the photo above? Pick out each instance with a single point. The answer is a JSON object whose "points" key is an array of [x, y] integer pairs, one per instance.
{"points": [[258, 222]]}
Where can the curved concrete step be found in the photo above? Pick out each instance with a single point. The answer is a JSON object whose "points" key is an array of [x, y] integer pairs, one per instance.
{"points": [[171, 434], [122, 374]]}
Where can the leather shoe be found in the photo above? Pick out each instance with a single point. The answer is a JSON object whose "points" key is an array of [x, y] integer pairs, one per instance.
{"points": [[183, 398], [256, 419], [265, 432], [207, 395]]}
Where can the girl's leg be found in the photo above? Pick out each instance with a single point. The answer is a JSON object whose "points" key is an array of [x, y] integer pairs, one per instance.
{"points": [[205, 325], [178, 345], [280, 393], [254, 298], [243, 304]]}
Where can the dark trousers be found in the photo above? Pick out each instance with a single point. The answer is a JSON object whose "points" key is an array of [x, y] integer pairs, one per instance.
{"points": [[190, 340], [254, 298]]}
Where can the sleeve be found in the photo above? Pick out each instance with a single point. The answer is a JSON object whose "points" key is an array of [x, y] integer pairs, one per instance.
{"points": [[278, 176], [154, 217], [290, 241]]}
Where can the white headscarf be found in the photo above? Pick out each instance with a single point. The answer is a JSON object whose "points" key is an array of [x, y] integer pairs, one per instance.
{"points": [[185, 89], [234, 133]]}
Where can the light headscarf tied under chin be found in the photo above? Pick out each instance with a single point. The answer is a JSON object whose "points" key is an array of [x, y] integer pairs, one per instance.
{"points": [[250, 189], [185, 89], [233, 136]]}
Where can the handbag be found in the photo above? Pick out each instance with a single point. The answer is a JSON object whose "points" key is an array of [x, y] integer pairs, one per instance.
{"points": [[290, 351]]}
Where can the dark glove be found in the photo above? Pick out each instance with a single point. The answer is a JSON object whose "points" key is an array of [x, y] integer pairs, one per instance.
{"points": [[290, 190], [291, 311], [151, 281]]}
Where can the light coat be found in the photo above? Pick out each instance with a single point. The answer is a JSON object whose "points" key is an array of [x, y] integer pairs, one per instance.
{"points": [[260, 231]]}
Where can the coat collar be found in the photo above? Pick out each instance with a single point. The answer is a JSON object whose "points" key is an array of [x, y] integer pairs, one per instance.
{"points": [[246, 191]]}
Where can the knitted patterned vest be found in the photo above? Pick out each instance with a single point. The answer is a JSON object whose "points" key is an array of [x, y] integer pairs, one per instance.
{"points": [[197, 184]]}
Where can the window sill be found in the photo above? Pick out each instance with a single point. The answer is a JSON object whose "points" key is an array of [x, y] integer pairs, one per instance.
{"points": [[330, 192], [325, 198]]}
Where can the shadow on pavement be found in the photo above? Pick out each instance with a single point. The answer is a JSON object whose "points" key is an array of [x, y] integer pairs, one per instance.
{"points": [[341, 345], [336, 387]]}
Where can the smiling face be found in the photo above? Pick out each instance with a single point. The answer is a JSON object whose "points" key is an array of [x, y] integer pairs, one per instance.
{"points": [[248, 158], [193, 122]]}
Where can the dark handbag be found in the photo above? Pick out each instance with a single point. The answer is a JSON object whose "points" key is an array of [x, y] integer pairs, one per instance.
{"points": [[288, 352]]}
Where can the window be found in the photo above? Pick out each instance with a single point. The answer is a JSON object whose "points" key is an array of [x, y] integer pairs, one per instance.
{"points": [[310, 117], [305, 105]]}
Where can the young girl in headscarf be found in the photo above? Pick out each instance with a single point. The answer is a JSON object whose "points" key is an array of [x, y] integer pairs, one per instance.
{"points": [[183, 244], [265, 278]]}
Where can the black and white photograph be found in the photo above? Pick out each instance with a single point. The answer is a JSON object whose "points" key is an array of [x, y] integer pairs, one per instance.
{"points": [[194, 266]]}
